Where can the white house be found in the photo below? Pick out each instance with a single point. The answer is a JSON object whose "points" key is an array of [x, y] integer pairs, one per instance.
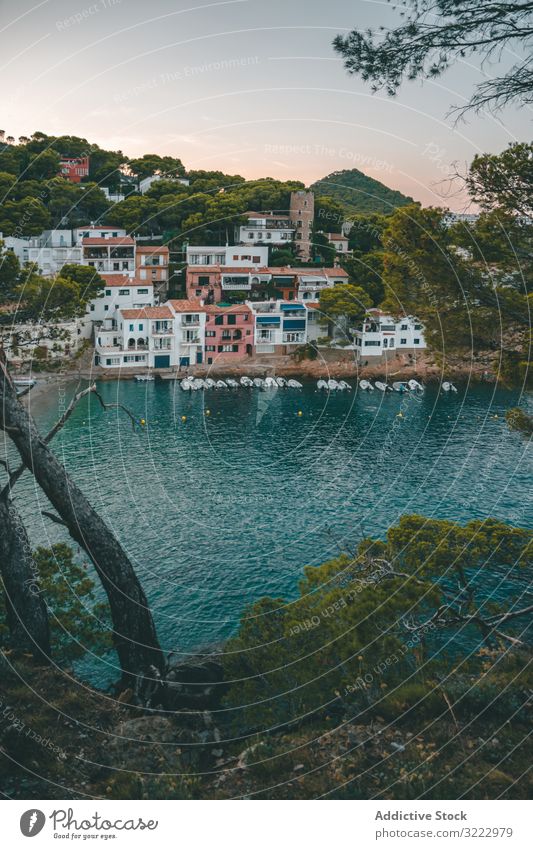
{"points": [[97, 231], [314, 328], [154, 337], [109, 254], [53, 249], [235, 256], [267, 228], [311, 283], [381, 335], [50, 251], [121, 292], [279, 326]]}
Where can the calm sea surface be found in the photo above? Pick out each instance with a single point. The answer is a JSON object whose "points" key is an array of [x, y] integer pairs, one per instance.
{"points": [[229, 505]]}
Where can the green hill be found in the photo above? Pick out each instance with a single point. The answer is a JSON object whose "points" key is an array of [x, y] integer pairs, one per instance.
{"points": [[359, 193]]}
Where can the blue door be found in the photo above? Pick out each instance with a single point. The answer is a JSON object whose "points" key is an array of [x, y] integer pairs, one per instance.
{"points": [[199, 358], [162, 361], [184, 361]]}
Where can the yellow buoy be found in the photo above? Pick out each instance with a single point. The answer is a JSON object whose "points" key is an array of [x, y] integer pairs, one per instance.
{"points": [[300, 413], [184, 418], [143, 422], [208, 412]]}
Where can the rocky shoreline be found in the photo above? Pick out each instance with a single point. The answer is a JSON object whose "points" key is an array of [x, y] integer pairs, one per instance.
{"points": [[424, 368]]}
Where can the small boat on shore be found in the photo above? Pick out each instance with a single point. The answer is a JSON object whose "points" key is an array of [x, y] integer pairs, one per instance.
{"points": [[415, 386], [144, 378], [24, 382], [245, 381], [185, 384], [294, 384], [366, 385], [400, 386]]}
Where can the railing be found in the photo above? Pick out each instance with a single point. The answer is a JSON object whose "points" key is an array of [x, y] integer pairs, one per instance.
{"points": [[191, 323], [167, 331], [190, 340], [243, 287], [309, 287]]}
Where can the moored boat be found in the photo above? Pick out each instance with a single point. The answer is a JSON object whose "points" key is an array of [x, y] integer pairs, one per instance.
{"points": [[343, 385], [221, 384], [322, 384], [294, 384], [270, 383], [210, 383], [366, 385], [415, 386], [232, 383], [259, 382], [400, 386], [448, 387], [23, 382], [281, 382], [383, 387], [245, 381], [332, 385]]}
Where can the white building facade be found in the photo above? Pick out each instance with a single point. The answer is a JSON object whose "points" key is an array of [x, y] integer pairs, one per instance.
{"points": [[381, 336], [279, 326], [152, 337], [236, 256], [265, 228], [121, 292]]}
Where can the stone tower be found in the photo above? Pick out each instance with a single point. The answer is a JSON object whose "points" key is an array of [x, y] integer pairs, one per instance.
{"points": [[302, 213]]}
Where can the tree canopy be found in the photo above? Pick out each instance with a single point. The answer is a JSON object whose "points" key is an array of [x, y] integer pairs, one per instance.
{"points": [[436, 34]]}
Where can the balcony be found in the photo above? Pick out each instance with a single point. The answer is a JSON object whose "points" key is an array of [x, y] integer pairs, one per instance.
{"points": [[162, 331], [191, 322], [313, 286], [190, 339], [239, 284]]}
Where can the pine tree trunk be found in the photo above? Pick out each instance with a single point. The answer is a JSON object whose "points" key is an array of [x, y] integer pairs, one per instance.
{"points": [[27, 616], [134, 632]]}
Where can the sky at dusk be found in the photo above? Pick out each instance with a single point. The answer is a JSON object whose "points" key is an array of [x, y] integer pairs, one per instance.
{"points": [[248, 87]]}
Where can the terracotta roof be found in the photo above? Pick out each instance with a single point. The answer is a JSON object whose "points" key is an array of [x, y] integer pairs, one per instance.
{"points": [[147, 312], [335, 237], [115, 240], [311, 272], [186, 305], [230, 269], [314, 306], [216, 309], [117, 280], [145, 249]]}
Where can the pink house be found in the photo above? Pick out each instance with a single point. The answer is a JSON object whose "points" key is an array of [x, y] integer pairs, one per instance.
{"points": [[229, 333]]}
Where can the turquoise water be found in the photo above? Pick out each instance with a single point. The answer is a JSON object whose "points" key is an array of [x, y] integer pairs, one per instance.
{"points": [[229, 505]]}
